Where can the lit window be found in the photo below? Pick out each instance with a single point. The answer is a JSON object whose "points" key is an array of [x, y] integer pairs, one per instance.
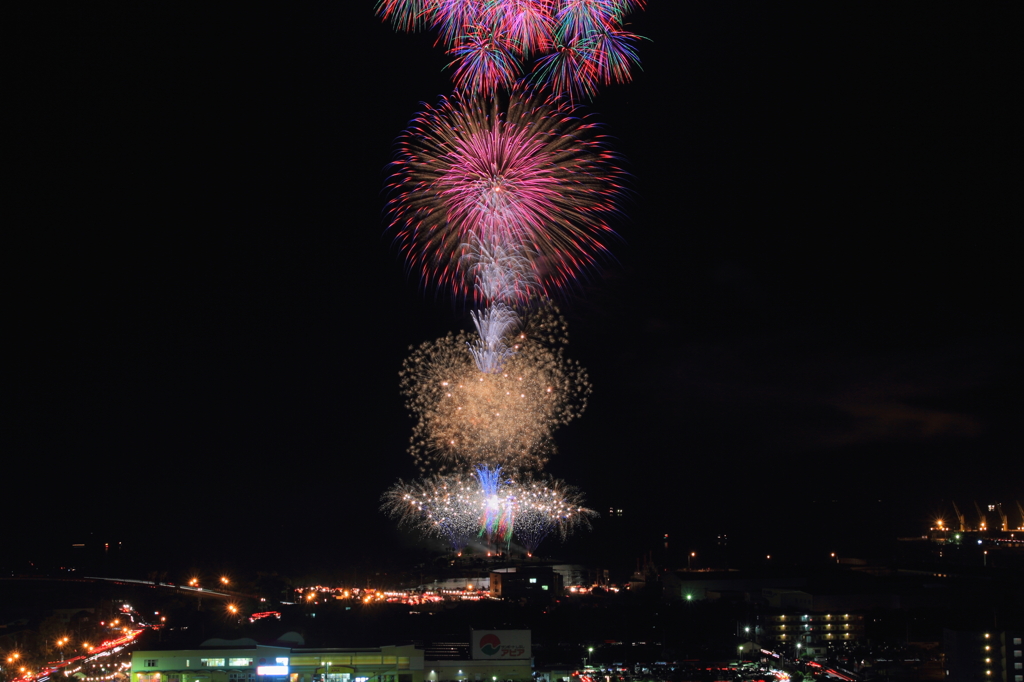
{"points": [[211, 662], [239, 661], [533, 580]]}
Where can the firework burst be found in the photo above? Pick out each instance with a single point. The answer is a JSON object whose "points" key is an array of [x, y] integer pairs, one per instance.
{"points": [[467, 417], [446, 507], [408, 15], [546, 506], [488, 505], [488, 38], [530, 183]]}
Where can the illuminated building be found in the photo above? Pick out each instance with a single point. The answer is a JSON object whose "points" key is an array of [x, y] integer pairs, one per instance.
{"points": [[488, 656], [530, 582], [246, 661], [985, 655], [815, 632]]}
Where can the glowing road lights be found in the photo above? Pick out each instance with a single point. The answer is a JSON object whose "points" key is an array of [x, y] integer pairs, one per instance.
{"points": [[60, 645]]}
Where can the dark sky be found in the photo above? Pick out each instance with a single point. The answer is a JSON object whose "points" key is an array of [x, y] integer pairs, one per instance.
{"points": [[813, 298]]}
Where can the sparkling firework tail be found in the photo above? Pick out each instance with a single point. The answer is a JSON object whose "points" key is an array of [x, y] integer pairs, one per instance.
{"points": [[489, 351], [501, 272], [456, 18], [483, 62], [408, 15], [613, 55], [577, 19], [529, 24], [569, 70]]}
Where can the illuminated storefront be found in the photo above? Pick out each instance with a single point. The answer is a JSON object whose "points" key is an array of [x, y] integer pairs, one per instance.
{"points": [[260, 663]]}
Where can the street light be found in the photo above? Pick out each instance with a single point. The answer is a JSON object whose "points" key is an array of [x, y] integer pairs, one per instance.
{"points": [[60, 645]]}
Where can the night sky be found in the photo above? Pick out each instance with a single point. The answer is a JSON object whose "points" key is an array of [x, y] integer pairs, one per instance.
{"points": [[812, 300]]}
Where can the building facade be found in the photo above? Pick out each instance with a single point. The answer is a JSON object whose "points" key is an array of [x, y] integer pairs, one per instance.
{"points": [[488, 656], [989, 655], [815, 633], [262, 663]]}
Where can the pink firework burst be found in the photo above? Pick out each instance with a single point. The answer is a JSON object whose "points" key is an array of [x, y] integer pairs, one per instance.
{"points": [[531, 181]]}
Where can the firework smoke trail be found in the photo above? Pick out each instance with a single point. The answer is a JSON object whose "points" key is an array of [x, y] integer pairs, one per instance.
{"points": [[467, 418], [489, 350], [497, 519]]}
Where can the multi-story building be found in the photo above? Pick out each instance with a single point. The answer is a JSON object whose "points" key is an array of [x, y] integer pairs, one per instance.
{"points": [[989, 655], [1011, 649], [813, 633]]}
